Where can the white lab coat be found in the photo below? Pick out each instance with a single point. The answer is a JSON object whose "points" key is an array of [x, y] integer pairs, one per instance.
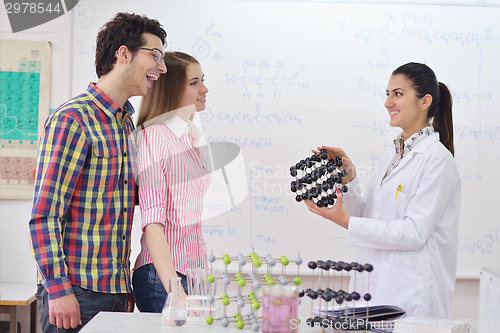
{"points": [[411, 241]]}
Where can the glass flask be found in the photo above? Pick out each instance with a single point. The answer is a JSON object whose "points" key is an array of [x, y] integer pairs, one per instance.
{"points": [[174, 310]]}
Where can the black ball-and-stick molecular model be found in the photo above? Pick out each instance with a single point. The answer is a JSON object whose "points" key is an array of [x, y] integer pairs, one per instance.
{"points": [[337, 308], [317, 178]]}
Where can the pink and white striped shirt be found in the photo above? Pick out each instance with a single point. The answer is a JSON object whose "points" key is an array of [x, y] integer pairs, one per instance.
{"points": [[173, 178]]}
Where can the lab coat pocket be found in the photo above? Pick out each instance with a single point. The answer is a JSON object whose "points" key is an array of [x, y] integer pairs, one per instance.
{"points": [[400, 287], [401, 205]]}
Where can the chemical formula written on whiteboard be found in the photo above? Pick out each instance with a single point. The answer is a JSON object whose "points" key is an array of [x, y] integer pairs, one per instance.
{"points": [[263, 79], [480, 245], [249, 118]]}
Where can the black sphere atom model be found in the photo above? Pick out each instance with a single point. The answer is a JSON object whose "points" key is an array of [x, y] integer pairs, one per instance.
{"points": [[317, 178]]}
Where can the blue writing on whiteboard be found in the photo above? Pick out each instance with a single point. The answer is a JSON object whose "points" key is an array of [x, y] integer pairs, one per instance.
{"points": [[84, 14], [268, 77], [460, 96], [245, 117], [213, 232], [201, 48], [417, 17], [244, 142], [218, 208], [231, 232], [481, 245], [269, 204], [261, 79], [266, 239], [486, 132]]}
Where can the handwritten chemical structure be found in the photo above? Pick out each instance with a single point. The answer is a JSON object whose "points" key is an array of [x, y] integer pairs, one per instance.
{"points": [[461, 38], [481, 245], [246, 117], [243, 142], [201, 49], [418, 26], [414, 16], [268, 74], [476, 132]]}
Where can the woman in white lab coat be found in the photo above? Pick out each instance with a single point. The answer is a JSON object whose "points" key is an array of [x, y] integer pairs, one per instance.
{"points": [[406, 225]]}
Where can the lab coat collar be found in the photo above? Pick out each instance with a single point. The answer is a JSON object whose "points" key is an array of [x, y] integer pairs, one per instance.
{"points": [[420, 148], [426, 143]]}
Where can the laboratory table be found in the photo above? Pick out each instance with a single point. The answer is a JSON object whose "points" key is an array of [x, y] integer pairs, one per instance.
{"points": [[12, 295]]}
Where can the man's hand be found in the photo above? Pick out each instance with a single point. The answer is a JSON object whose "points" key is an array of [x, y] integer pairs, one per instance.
{"points": [[64, 312]]}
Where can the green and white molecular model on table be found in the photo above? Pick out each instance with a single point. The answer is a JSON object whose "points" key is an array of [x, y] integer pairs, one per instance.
{"points": [[252, 280]]}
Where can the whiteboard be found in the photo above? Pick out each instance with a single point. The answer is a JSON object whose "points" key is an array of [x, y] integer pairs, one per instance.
{"points": [[285, 77]]}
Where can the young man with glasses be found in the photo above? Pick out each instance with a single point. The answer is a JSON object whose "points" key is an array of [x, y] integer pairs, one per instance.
{"points": [[84, 195]]}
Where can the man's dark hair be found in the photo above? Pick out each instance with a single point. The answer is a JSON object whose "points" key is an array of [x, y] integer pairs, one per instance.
{"points": [[124, 29]]}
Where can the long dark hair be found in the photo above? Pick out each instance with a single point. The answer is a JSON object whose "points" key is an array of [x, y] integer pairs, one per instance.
{"points": [[424, 82], [165, 95]]}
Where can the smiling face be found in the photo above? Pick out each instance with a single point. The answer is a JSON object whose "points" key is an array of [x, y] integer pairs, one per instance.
{"points": [[406, 110], [143, 69], [196, 91]]}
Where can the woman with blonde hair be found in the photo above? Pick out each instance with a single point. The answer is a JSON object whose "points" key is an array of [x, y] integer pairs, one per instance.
{"points": [[173, 178]]}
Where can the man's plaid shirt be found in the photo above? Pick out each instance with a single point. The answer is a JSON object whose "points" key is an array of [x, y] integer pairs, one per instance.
{"points": [[84, 197]]}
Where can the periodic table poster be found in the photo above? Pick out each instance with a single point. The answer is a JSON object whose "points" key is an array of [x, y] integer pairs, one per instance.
{"points": [[24, 106]]}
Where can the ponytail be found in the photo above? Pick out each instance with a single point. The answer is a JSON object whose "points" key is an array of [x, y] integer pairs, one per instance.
{"points": [[443, 120], [425, 82]]}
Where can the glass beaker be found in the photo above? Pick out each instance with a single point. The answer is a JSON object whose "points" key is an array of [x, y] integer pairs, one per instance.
{"points": [[280, 307], [174, 310]]}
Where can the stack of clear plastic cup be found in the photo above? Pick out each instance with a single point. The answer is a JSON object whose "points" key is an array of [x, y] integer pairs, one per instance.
{"points": [[201, 293]]}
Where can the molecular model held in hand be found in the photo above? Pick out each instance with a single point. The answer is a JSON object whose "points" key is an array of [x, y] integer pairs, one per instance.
{"points": [[317, 178]]}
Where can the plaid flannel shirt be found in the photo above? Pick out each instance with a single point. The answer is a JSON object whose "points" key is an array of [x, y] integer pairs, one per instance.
{"points": [[84, 197]]}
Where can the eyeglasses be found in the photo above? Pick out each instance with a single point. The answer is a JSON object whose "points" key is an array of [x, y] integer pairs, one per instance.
{"points": [[158, 56]]}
